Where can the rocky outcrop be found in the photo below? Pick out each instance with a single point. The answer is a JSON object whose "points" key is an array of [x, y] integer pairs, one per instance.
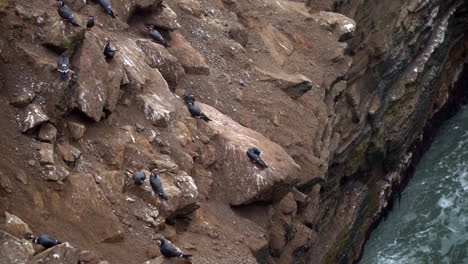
{"points": [[65, 253], [242, 181], [13, 250]]}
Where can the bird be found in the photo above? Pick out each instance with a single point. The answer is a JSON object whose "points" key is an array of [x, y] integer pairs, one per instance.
{"points": [[196, 112], [66, 13], [168, 250], [189, 98], [156, 36], [106, 5], [63, 66], [43, 240], [108, 52], [90, 23], [156, 185], [254, 155], [139, 177]]}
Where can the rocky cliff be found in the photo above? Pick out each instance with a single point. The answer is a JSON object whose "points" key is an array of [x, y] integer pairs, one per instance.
{"points": [[334, 93]]}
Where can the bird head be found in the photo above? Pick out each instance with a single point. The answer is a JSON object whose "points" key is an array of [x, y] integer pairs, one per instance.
{"points": [[159, 241], [91, 18], [60, 3], [149, 26], [28, 236]]}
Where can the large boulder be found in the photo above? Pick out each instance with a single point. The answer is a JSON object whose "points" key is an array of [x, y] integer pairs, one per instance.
{"points": [[192, 61], [33, 116], [294, 85], [14, 250], [65, 253], [15, 226], [98, 81], [62, 35], [240, 181]]}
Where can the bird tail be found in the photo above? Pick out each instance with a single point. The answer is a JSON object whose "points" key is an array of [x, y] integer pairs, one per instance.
{"points": [[204, 117], [111, 13], [185, 256], [262, 164], [167, 45], [163, 196], [63, 75], [74, 23]]}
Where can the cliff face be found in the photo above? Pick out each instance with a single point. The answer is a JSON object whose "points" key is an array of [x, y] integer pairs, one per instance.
{"points": [[334, 103]]}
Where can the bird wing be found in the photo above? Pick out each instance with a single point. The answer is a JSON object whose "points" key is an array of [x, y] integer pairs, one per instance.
{"points": [[65, 12], [169, 250], [106, 5], [194, 110], [156, 36]]}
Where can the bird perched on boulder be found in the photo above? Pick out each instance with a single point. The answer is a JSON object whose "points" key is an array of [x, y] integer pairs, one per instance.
{"points": [[43, 240], [90, 23], [196, 112], [156, 185], [168, 250], [139, 177], [254, 155], [156, 36], [189, 98], [106, 6], [108, 52], [66, 13], [63, 66]]}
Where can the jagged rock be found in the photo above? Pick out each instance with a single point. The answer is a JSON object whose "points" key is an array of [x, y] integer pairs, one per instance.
{"points": [[68, 153], [300, 197], [149, 215], [162, 60], [5, 183], [112, 183], [61, 34], [166, 19], [192, 61], [23, 99], [241, 182], [156, 110], [279, 46], [15, 226], [47, 132], [294, 85], [341, 25], [64, 253], [76, 130], [21, 176], [98, 84], [33, 116], [46, 153], [209, 156], [13, 250]]}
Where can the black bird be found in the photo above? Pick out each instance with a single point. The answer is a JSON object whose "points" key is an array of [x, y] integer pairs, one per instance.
{"points": [[139, 177], [66, 13], [43, 240], [63, 66], [156, 185], [106, 5], [196, 112], [254, 155], [168, 250], [90, 23], [189, 98], [156, 36], [108, 52]]}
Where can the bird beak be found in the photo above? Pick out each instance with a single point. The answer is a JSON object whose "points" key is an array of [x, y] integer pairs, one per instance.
{"points": [[155, 238], [146, 26]]}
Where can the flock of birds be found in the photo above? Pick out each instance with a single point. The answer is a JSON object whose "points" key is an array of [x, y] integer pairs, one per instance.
{"points": [[166, 248]]}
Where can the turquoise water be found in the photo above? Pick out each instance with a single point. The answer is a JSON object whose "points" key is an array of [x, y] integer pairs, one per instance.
{"points": [[430, 223]]}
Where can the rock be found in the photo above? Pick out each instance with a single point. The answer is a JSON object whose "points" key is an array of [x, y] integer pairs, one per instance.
{"points": [[112, 183], [125, 9], [279, 46], [13, 250], [149, 215], [300, 197], [21, 176], [208, 157], [15, 226], [192, 61], [156, 110], [294, 85], [65, 253], [65, 152], [47, 132], [166, 19], [33, 116], [191, 7], [139, 128], [162, 260], [76, 130], [46, 153], [239, 180], [161, 59], [5, 183], [98, 84], [343, 27], [23, 99], [63, 35], [239, 34]]}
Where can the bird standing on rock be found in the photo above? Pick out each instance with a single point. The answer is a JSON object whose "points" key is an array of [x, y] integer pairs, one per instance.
{"points": [[168, 250], [139, 177], [63, 66], [66, 13], [43, 240], [108, 52], [156, 36], [196, 112], [106, 5], [254, 155], [90, 23], [156, 185]]}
